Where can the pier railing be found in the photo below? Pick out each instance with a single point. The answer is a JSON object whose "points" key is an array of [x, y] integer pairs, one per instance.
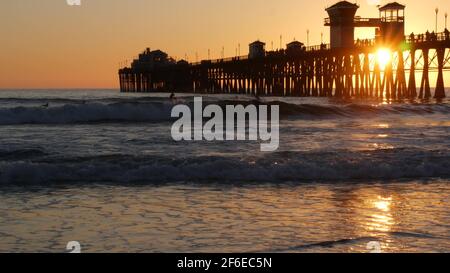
{"points": [[359, 22], [428, 37]]}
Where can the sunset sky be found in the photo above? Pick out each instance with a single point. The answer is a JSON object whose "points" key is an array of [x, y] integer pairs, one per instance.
{"points": [[48, 44]]}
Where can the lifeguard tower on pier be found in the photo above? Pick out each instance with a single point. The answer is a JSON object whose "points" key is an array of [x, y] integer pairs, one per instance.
{"points": [[392, 24], [389, 27]]}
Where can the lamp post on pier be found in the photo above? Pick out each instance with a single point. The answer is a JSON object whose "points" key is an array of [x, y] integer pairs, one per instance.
{"points": [[307, 38], [446, 14], [437, 12]]}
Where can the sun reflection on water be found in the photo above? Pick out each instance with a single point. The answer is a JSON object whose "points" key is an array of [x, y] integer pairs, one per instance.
{"points": [[382, 219], [383, 126], [383, 204]]}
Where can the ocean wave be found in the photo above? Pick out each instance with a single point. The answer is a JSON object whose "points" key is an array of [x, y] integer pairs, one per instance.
{"points": [[355, 241], [80, 100], [17, 154], [277, 167], [86, 113], [159, 110], [358, 110]]}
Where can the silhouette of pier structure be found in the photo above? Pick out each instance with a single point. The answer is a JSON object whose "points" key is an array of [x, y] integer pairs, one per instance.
{"points": [[343, 68]]}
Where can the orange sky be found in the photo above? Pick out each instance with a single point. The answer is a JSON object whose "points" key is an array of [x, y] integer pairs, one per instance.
{"points": [[48, 44]]}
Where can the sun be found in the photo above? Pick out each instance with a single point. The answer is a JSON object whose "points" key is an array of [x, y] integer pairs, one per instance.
{"points": [[384, 57]]}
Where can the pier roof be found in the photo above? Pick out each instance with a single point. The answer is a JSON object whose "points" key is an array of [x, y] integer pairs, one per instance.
{"points": [[393, 5], [343, 4], [258, 43], [295, 43]]}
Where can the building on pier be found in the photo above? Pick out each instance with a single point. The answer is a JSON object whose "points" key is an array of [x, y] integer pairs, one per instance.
{"points": [[152, 59], [392, 24], [341, 22], [295, 47], [257, 49], [389, 27]]}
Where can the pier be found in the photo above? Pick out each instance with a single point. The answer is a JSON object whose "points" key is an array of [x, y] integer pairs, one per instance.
{"points": [[391, 66]]}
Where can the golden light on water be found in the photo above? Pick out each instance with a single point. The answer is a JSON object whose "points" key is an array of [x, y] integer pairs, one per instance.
{"points": [[382, 219], [384, 57], [383, 204], [383, 126]]}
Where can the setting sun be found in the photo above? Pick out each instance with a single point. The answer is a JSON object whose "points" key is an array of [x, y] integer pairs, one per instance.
{"points": [[383, 57]]}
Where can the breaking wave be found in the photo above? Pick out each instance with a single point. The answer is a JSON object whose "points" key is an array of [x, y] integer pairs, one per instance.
{"points": [[352, 241], [86, 113], [277, 167], [154, 110]]}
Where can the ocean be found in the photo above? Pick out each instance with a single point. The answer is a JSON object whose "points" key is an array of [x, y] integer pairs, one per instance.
{"points": [[101, 168]]}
